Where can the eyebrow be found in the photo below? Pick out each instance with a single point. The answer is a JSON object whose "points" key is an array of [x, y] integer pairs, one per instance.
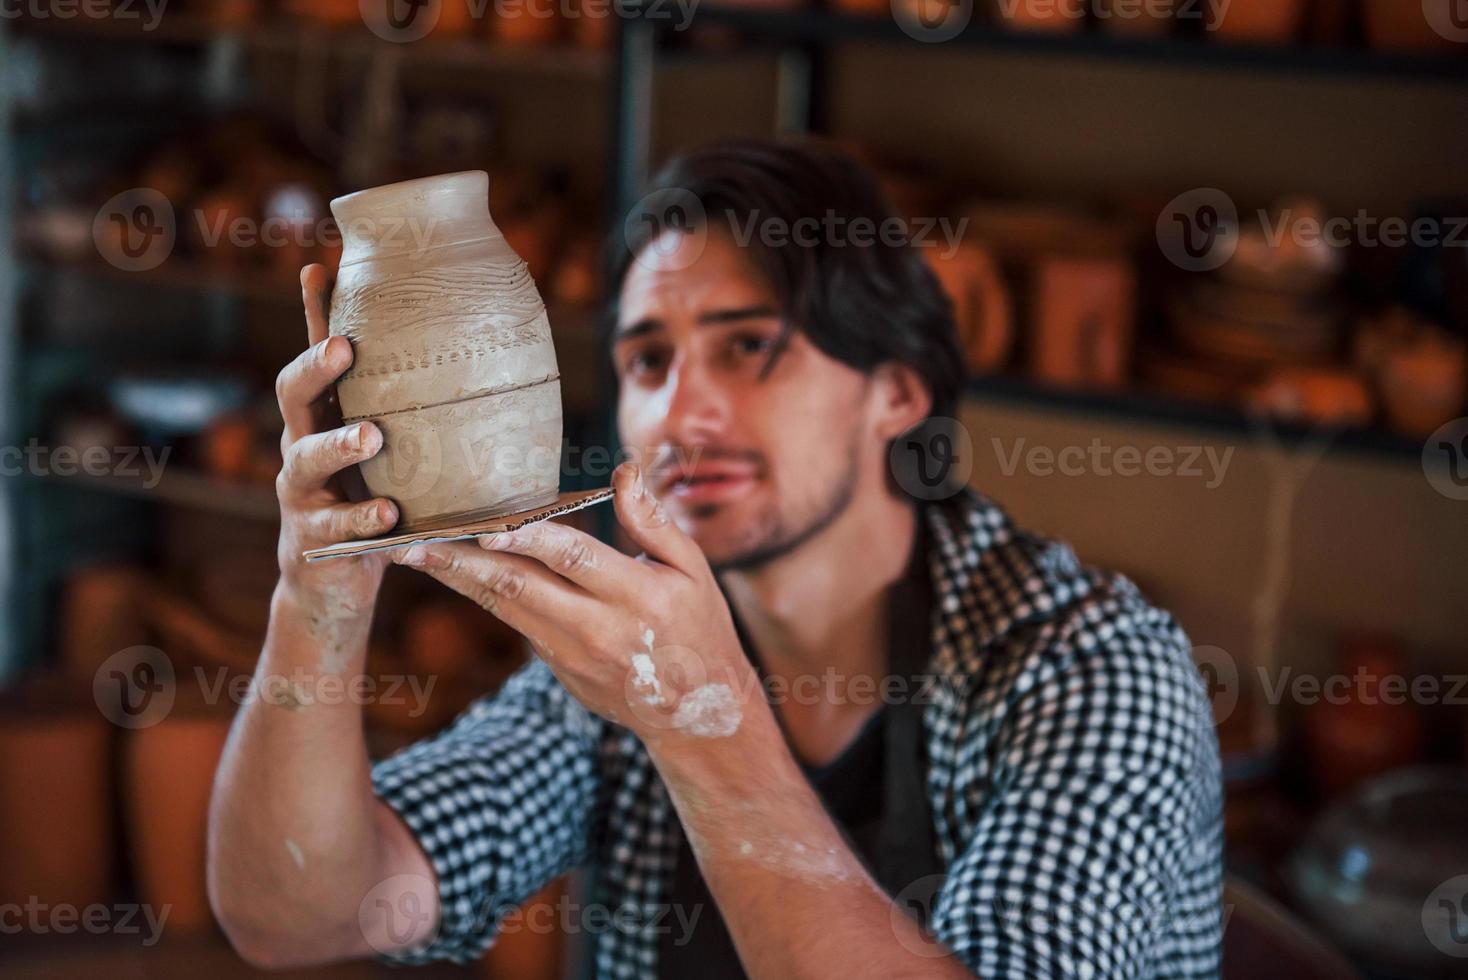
{"points": [[711, 318]]}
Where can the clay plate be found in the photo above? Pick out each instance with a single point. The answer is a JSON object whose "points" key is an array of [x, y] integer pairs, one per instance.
{"points": [[564, 504]]}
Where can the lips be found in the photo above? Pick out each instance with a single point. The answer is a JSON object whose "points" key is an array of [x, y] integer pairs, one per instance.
{"points": [[708, 481]]}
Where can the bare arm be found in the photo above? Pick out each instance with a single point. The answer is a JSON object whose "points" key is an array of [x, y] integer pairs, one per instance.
{"points": [[304, 863], [797, 901]]}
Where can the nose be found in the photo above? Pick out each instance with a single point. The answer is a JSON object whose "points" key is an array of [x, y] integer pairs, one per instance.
{"points": [[698, 405]]}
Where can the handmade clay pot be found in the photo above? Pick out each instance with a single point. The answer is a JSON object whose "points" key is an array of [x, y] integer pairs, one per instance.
{"points": [[1083, 311], [1423, 382], [1138, 19], [453, 353], [1061, 17], [1267, 21], [55, 804], [981, 305], [169, 772]]}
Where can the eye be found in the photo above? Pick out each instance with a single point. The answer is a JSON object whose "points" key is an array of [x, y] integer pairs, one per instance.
{"points": [[642, 361], [753, 344]]}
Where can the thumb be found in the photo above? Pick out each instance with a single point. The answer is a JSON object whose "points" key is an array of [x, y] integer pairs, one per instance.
{"points": [[646, 521]]}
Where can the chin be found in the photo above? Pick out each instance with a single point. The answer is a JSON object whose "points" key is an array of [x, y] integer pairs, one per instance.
{"points": [[723, 531]]}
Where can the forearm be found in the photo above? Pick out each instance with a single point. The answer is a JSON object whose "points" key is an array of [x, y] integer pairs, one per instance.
{"points": [[295, 840], [797, 901]]}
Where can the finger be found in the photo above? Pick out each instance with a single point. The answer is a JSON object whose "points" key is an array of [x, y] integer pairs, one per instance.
{"points": [[304, 380], [645, 520], [314, 459], [315, 297], [350, 522], [522, 592], [571, 554]]}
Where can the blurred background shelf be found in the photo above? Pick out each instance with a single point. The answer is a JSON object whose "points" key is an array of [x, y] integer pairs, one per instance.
{"points": [[180, 488], [808, 25], [351, 42], [1194, 418]]}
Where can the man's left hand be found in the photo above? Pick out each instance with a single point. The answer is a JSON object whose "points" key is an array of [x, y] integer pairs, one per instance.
{"points": [[645, 642]]}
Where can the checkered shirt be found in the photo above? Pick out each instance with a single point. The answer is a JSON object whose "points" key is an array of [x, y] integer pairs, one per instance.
{"points": [[1073, 778]]}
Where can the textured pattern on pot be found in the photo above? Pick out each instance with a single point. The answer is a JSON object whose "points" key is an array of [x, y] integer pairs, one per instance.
{"points": [[453, 353]]}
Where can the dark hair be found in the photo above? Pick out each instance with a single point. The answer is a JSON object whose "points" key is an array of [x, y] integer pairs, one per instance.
{"points": [[859, 304]]}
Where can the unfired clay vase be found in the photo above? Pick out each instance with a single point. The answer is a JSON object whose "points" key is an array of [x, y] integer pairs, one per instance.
{"points": [[454, 360]]}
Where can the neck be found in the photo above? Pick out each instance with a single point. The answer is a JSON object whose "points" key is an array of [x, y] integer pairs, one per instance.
{"points": [[823, 604]]}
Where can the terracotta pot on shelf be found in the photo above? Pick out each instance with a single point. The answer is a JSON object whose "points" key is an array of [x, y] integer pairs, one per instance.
{"points": [[526, 25], [219, 213], [593, 27], [1404, 25], [1054, 16], [1083, 312], [455, 17], [865, 8], [1138, 18], [102, 612], [1423, 382], [1358, 732], [329, 13], [981, 305], [1262, 21], [55, 803], [169, 774], [1330, 22], [454, 359], [233, 14], [229, 446], [1325, 396]]}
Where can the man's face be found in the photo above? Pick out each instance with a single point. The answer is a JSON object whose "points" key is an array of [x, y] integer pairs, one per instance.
{"points": [[748, 466]]}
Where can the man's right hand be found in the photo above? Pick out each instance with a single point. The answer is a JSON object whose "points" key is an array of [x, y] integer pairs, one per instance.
{"points": [[315, 508]]}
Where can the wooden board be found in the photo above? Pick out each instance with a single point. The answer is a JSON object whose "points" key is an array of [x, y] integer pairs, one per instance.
{"points": [[565, 504]]}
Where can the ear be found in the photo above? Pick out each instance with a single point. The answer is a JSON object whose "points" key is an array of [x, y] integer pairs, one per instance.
{"points": [[899, 399]]}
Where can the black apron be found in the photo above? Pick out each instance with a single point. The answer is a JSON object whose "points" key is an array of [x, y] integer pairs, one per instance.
{"points": [[891, 831]]}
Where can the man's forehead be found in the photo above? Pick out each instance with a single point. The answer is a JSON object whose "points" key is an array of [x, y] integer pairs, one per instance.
{"points": [[717, 280]]}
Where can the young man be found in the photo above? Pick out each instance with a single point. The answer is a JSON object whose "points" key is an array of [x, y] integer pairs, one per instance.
{"points": [[1039, 798]]}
